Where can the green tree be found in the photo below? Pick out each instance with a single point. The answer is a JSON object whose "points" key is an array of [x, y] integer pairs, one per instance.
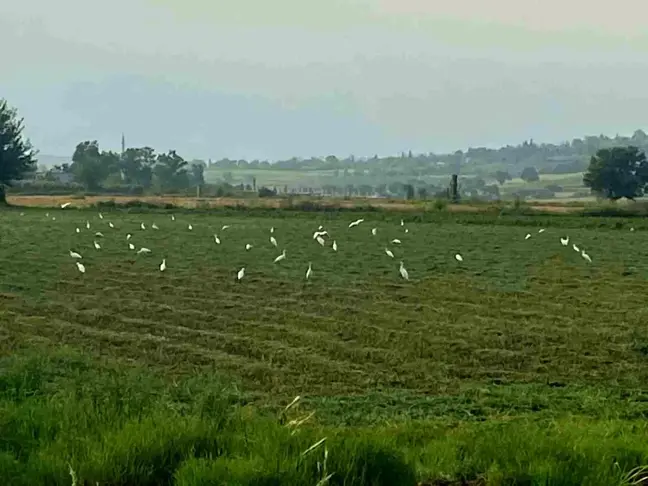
{"points": [[89, 166], [137, 166], [17, 156], [197, 175], [502, 176], [530, 174], [171, 172], [618, 172]]}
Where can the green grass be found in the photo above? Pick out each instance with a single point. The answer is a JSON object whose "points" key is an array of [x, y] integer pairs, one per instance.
{"points": [[524, 364]]}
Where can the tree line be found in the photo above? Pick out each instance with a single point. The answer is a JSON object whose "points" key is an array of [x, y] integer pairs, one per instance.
{"points": [[613, 172]]}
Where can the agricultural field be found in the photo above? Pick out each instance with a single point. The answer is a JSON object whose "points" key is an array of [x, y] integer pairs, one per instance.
{"points": [[524, 343]]}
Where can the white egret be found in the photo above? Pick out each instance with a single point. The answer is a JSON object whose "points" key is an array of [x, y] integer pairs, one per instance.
{"points": [[586, 256], [272, 230], [190, 227], [564, 241], [99, 233], [87, 224], [458, 257], [402, 223], [155, 226], [248, 246], [97, 246], [319, 233], [373, 231], [74, 254], [309, 272], [131, 246], [172, 217], [100, 216], [53, 218], [217, 239], [80, 267], [111, 225], [65, 205], [396, 241], [334, 245], [632, 229], [280, 257], [142, 226], [576, 249], [320, 227], [143, 250], [403, 271], [389, 253], [406, 230], [240, 274], [163, 265], [225, 227], [355, 223], [541, 230], [527, 236], [78, 230], [273, 241], [320, 240], [128, 236]]}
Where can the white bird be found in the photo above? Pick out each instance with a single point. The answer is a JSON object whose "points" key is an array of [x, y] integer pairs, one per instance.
{"points": [[111, 225], [155, 226], [53, 218], [334, 245], [319, 233], [527, 236], [586, 256], [100, 216], [131, 246], [128, 236], [163, 265], [225, 227], [320, 227], [632, 229], [216, 239], [172, 217], [87, 224], [248, 246], [403, 272], [78, 230], [97, 246], [458, 257], [273, 241], [80, 267], [355, 223], [320, 240], [99, 233], [47, 215], [142, 226], [373, 231], [65, 205], [396, 241], [576, 249], [280, 257], [309, 272], [402, 223], [564, 241], [74, 254], [542, 230], [190, 227], [406, 230], [389, 253], [240, 274], [272, 230], [143, 250]]}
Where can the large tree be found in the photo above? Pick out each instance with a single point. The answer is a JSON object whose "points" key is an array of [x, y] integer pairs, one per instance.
{"points": [[17, 156], [618, 172]]}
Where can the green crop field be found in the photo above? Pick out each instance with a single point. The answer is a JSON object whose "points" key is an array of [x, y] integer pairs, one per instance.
{"points": [[522, 364]]}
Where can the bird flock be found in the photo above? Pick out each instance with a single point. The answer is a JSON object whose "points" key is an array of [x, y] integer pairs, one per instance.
{"points": [[319, 236]]}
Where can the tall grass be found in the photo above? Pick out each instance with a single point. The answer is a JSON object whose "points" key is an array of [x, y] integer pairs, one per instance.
{"points": [[65, 419]]}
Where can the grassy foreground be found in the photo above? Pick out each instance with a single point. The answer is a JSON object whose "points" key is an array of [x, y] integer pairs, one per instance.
{"points": [[523, 364]]}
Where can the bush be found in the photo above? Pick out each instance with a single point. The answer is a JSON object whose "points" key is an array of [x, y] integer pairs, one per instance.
{"points": [[266, 192]]}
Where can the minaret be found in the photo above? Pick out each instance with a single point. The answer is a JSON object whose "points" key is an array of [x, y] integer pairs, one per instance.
{"points": [[123, 145]]}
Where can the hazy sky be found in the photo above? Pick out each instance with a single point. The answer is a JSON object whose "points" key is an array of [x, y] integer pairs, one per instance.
{"points": [[273, 79]]}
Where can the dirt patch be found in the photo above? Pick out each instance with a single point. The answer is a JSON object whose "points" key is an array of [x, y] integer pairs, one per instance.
{"points": [[192, 202]]}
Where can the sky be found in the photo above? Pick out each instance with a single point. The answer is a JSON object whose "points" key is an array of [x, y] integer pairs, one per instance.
{"points": [[261, 79]]}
